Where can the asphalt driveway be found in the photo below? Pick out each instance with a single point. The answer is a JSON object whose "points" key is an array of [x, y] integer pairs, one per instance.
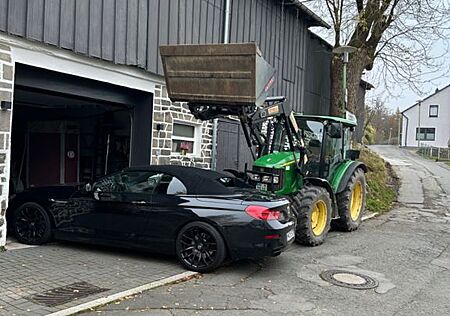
{"points": [[407, 251]]}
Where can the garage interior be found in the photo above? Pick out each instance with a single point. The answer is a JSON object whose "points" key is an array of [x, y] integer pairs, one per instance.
{"points": [[71, 130]]}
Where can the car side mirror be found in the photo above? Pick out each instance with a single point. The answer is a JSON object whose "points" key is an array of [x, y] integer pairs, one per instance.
{"points": [[88, 187], [334, 130]]}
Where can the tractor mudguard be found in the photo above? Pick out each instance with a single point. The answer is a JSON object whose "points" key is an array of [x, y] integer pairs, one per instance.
{"points": [[324, 184], [348, 173], [320, 183]]}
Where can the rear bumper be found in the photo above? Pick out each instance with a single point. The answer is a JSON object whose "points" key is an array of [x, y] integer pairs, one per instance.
{"points": [[259, 239]]}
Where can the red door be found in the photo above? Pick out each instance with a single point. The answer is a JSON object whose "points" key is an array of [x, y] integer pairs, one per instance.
{"points": [[44, 159], [71, 159], [45, 163]]}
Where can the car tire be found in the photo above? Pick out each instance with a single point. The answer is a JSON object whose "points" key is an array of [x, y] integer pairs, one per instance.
{"points": [[313, 207], [351, 203], [200, 247], [31, 224]]}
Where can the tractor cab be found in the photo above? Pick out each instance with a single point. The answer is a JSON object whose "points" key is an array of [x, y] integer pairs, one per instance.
{"points": [[327, 143]]}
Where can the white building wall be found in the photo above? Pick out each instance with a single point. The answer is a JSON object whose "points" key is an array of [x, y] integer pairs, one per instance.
{"points": [[419, 116]]}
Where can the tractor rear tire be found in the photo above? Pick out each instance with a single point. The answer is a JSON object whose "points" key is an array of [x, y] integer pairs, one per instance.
{"points": [[313, 207], [351, 202]]}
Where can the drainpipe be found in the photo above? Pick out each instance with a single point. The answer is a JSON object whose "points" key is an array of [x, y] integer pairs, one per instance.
{"points": [[226, 40], [418, 138], [406, 129]]}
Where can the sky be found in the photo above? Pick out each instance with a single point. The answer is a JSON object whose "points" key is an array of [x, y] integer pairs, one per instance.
{"points": [[400, 97], [404, 97]]}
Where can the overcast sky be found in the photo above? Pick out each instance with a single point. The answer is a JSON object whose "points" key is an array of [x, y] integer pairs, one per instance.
{"points": [[400, 97], [405, 97]]}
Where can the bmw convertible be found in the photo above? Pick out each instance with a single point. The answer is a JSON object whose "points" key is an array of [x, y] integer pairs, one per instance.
{"points": [[203, 217]]}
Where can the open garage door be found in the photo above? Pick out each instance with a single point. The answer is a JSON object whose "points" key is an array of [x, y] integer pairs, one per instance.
{"points": [[69, 130]]}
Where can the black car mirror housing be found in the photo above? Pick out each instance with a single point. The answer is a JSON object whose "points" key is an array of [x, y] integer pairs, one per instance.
{"points": [[88, 187]]}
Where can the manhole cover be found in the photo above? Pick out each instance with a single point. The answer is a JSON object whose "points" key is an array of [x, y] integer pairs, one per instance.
{"points": [[65, 294], [348, 279]]}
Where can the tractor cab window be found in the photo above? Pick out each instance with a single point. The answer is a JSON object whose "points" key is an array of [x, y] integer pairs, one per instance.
{"points": [[312, 134], [332, 151]]}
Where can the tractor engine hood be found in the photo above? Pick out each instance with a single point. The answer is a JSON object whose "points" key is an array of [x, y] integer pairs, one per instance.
{"points": [[276, 160]]}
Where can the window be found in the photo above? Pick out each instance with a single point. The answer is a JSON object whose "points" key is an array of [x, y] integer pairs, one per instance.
{"points": [[170, 185], [425, 133], [184, 139], [128, 181], [141, 182], [434, 109]]}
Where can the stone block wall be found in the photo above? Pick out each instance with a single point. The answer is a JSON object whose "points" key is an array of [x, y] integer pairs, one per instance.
{"points": [[164, 113], [6, 95]]}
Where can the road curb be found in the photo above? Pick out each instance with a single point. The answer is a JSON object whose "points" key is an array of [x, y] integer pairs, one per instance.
{"points": [[117, 296], [367, 217]]}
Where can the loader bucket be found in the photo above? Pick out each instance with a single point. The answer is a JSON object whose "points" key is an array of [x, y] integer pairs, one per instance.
{"points": [[222, 75]]}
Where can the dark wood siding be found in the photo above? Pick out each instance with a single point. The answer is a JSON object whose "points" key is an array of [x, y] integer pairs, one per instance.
{"points": [[280, 32], [122, 31], [130, 31], [318, 74]]}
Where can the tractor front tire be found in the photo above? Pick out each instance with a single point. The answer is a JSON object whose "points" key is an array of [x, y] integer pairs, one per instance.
{"points": [[351, 202], [313, 207]]}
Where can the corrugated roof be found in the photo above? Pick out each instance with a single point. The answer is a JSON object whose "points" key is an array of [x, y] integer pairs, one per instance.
{"points": [[314, 19]]}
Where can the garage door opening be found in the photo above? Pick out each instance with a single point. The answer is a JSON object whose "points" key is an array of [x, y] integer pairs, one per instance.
{"points": [[63, 134]]}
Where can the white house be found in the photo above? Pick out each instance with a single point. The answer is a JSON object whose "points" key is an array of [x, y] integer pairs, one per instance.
{"points": [[427, 123]]}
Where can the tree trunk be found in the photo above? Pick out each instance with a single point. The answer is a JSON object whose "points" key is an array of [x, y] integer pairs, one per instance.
{"points": [[355, 69], [336, 102], [356, 102]]}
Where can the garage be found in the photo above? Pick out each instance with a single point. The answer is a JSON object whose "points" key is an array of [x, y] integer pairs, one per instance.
{"points": [[68, 129]]}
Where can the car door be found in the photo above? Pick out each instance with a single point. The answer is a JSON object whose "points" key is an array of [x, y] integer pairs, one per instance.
{"points": [[171, 208], [112, 210]]}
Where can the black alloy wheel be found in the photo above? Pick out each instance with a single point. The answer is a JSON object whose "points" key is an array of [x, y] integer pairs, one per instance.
{"points": [[32, 224], [200, 247]]}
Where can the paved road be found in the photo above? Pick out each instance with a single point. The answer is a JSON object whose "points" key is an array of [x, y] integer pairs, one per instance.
{"points": [[407, 251]]}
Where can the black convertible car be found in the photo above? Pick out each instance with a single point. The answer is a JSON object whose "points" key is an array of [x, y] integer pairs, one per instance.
{"points": [[201, 216]]}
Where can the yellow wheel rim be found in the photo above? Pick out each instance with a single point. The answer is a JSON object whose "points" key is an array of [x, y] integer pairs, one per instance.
{"points": [[356, 201], [319, 218]]}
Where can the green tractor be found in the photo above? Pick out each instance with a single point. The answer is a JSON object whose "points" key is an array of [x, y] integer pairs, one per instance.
{"points": [[306, 158]]}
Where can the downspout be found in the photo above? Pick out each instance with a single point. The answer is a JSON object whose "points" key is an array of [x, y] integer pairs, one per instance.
{"points": [[226, 40], [406, 129]]}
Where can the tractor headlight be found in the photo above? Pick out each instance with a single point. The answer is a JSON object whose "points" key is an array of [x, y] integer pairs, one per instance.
{"points": [[276, 179], [266, 179], [255, 177]]}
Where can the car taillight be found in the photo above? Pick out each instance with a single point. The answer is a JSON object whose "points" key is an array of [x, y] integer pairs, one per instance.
{"points": [[262, 213]]}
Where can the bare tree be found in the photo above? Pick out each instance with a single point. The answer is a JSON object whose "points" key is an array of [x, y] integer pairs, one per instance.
{"points": [[396, 34]]}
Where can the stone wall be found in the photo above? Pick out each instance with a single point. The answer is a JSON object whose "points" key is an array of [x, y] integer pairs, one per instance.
{"points": [[6, 91], [164, 113]]}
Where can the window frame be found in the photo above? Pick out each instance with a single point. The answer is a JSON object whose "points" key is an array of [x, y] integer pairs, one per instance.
{"points": [[425, 133], [196, 139], [433, 106]]}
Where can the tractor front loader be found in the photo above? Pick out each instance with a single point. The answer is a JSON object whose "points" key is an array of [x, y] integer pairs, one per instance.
{"points": [[306, 158]]}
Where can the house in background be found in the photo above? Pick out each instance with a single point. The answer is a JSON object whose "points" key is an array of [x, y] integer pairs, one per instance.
{"points": [[82, 89], [427, 123]]}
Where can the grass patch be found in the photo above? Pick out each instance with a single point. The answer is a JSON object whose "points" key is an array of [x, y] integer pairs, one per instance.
{"points": [[2, 248], [382, 182]]}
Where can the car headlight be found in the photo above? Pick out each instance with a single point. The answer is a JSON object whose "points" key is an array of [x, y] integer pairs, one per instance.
{"points": [[255, 177], [266, 179]]}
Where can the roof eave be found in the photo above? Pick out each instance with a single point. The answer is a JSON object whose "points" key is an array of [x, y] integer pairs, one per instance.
{"points": [[316, 20]]}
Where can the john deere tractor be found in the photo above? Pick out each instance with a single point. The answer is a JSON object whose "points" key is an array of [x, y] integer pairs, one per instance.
{"points": [[306, 158]]}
